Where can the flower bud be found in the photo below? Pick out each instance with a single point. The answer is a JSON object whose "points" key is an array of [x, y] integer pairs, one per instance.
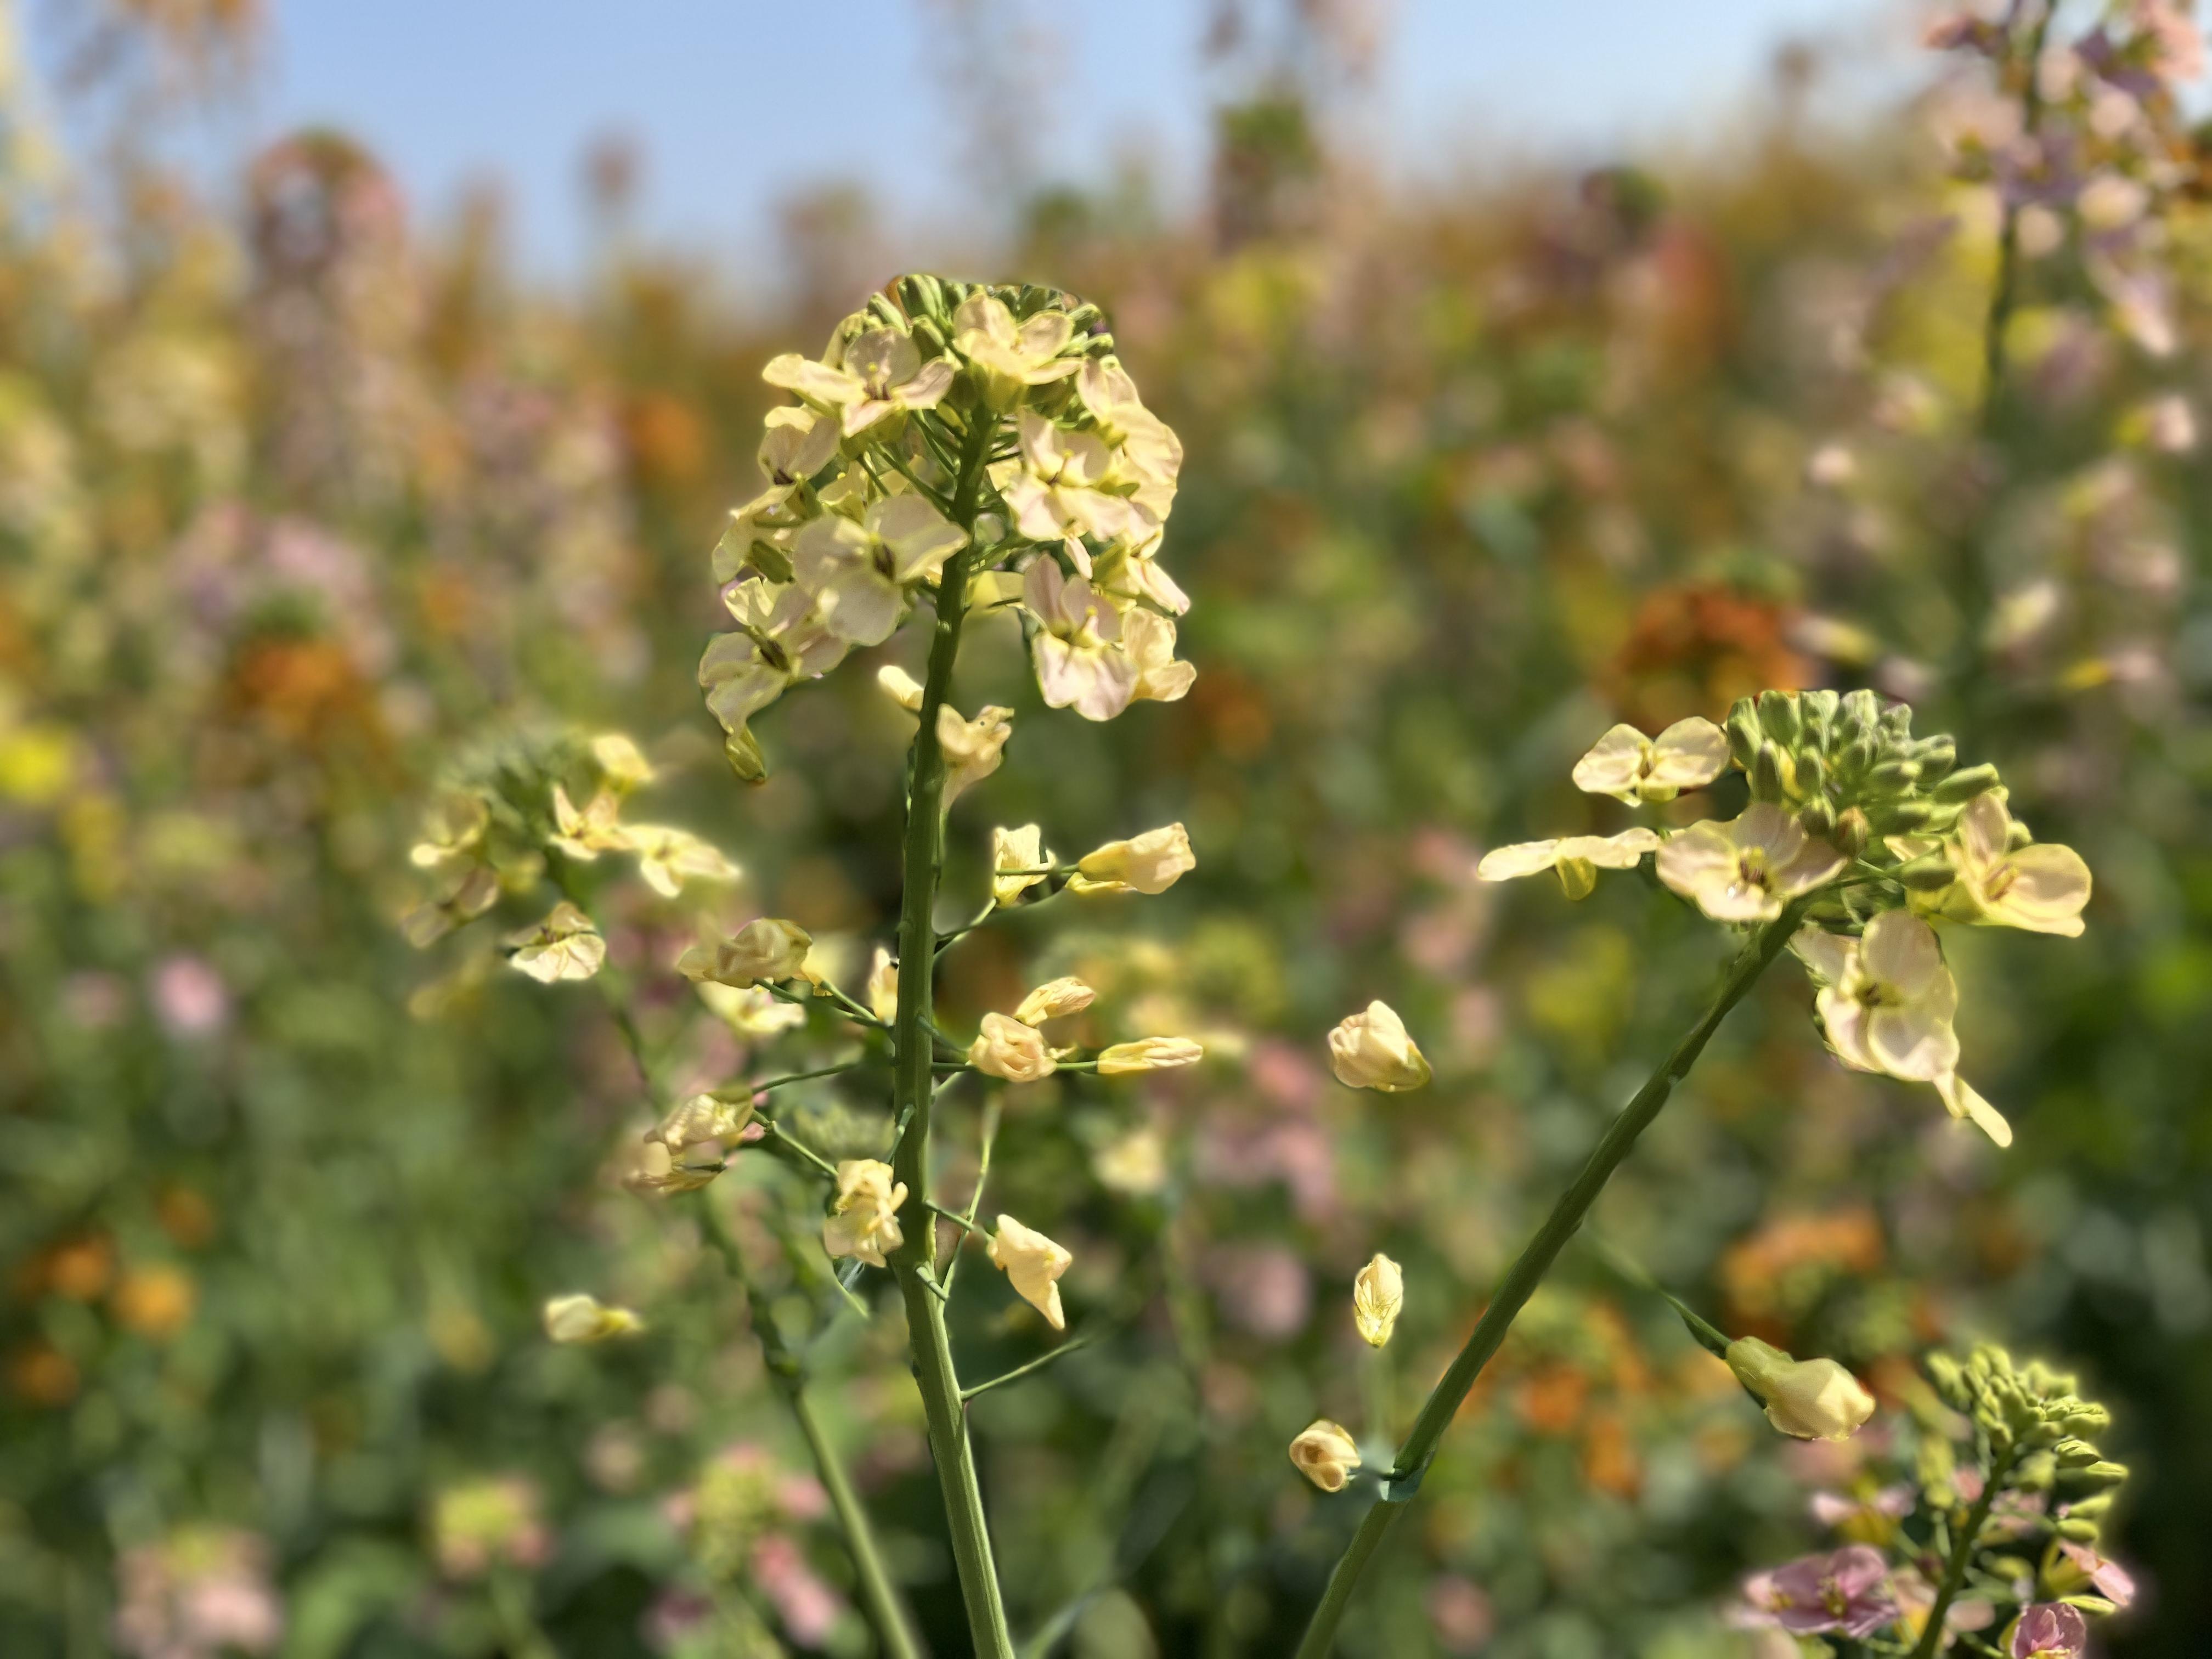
{"points": [[1372, 1050], [1964, 784], [882, 986], [1893, 776], [742, 751], [1325, 1455], [1772, 777], [1149, 863], [1852, 832], [1153, 1053], [1010, 1049], [1777, 717], [1743, 735], [1806, 1399], [1053, 1000], [1818, 817], [901, 687], [584, 1318], [1378, 1295]]}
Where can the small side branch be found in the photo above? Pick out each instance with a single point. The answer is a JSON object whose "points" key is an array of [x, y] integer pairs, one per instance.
{"points": [[1020, 1371]]}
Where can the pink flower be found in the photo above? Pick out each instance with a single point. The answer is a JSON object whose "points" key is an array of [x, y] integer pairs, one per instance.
{"points": [[808, 1607], [2050, 1630], [2112, 1581], [1459, 1613], [1846, 1592], [190, 998]]}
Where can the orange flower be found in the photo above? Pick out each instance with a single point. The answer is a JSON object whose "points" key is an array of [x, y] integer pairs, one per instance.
{"points": [[156, 1301]]}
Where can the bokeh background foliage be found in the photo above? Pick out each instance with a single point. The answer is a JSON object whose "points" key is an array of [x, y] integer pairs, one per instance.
{"points": [[302, 505]]}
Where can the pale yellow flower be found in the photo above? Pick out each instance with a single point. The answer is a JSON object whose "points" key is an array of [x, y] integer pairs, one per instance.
{"points": [[1149, 639], [750, 1011], [864, 1221], [453, 828], [1631, 767], [705, 1121], [1805, 1399], [1152, 1054], [1007, 358], [1324, 1453], [786, 628], [596, 829], [796, 443], [565, 946], [1377, 1296], [1130, 569], [766, 948], [466, 894], [1054, 1000], [972, 749], [901, 687], [858, 570], [882, 989], [1008, 1049], [621, 761], [1149, 863], [1577, 858], [1062, 483], [1148, 449], [882, 374], [1135, 1164], [1077, 646], [2040, 887], [1887, 1001], [667, 858], [1032, 1264], [1017, 850], [659, 1170], [1372, 1049], [1748, 869], [582, 1318]]}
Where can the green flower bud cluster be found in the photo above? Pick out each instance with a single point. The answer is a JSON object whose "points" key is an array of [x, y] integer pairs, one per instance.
{"points": [[1850, 768], [923, 305]]}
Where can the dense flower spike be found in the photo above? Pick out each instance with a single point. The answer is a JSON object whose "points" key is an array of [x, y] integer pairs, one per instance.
{"points": [[583, 1318], [1378, 1295], [1033, 1264], [1325, 1454], [1805, 1399], [1372, 1049]]}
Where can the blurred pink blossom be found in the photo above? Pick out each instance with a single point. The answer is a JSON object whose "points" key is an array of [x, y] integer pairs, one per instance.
{"points": [[190, 998]]}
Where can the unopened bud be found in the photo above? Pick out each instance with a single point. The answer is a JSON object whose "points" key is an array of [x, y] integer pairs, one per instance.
{"points": [[1894, 776], [1743, 734], [1931, 873], [1777, 714], [1771, 774], [1900, 818], [1937, 756], [742, 751], [1966, 783], [1852, 832], [1856, 717], [1812, 774], [1818, 817], [2078, 1532]]}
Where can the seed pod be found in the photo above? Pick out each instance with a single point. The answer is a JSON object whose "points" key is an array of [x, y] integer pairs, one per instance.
{"points": [[1777, 713], [1964, 785]]}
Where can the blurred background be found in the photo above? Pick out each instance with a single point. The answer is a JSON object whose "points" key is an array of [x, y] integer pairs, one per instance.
{"points": [[373, 385]]}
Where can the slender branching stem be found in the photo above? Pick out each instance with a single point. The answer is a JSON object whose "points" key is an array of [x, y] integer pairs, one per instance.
{"points": [[1962, 1552], [1521, 1279], [1024, 1370], [989, 1138], [887, 1609], [914, 1262]]}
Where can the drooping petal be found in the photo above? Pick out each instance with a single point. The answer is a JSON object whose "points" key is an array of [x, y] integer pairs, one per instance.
{"points": [[1524, 858]]}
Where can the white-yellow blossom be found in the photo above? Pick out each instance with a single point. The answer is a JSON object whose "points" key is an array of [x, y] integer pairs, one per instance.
{"points": [[1135, 1164], [1887, 1000], [2040, 887], [1008, 1049], [901, 687], [796, 443], [882, 989], [863, 1220], [1805, 1399], [1577, 858], [766, 949], [1325, 1454], [1061, 484], [1149, 639], [882, 374], [667, 858], [972, 749], [1149, 863], [1631, 767], [1055, 998], [752, 1011], [1018, 862], [1077, 647], [453, 828], [659, 1170], [1152, 1054], [859, 570], [582, 1318], [596, 829], [1372, 1049], [1748, 868], [1032, 1264], [622, 763], [1378, 1294], [1007, 358], [565, 946]]}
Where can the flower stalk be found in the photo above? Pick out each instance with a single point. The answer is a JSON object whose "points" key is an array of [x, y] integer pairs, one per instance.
{"points": [[1527, 1272], [915, 1260], [1962, 1550]]}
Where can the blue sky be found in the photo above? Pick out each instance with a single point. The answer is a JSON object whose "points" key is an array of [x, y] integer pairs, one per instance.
{"points": [[737, 106]]}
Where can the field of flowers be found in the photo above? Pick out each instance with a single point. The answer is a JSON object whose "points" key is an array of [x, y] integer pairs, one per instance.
{"points": [[359, 801]]}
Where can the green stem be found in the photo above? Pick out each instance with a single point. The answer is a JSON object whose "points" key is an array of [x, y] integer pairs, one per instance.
{"points": [[886, 1608], [1043, 1359], [1962, 1550], [1521, 1279], [915, 1260]]}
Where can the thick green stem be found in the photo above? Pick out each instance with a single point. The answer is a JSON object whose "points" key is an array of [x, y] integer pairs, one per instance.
{"points": [[915, 1259], [887, 1609], [1962, 1550], [1521, 1281]]}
